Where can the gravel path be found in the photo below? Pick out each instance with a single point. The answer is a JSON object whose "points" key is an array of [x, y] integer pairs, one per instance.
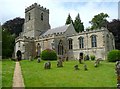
{"points": [[18, 79]]}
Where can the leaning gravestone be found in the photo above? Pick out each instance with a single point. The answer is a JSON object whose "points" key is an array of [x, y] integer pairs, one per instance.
{"points": [[76, 67], [59, 63], [97, 62], [118, 74], [47, 65]]}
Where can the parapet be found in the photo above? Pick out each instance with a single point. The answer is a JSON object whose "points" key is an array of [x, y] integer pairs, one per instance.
{"points": [[35, 5]]}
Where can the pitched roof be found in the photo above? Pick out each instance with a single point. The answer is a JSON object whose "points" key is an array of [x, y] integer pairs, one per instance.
{"points": [[56, 30]]}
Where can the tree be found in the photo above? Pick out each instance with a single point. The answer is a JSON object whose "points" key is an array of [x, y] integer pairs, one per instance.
{"points": [[99, 21], [7, 44], [78, 25], [114, 27], [69, 20], [14, 26]]}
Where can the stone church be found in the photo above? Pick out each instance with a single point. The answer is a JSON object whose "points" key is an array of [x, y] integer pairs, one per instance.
{"points": [[37, 36]]}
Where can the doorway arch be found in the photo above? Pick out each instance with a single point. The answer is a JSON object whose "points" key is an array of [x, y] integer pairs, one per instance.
{"points": [[19, 55]]}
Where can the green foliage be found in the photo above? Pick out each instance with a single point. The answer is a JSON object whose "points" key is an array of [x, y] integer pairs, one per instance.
{"points": [[48, 54], [7, 44], [78, 25], [113, 56], [69, 20], [114, 27], [14, 26], [99, 21], [92, 57]]}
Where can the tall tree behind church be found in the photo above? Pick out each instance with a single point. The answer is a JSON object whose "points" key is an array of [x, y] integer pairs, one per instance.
{"points": [[10, 30], [78, 25], [69, 20], [14, 26], [99, 21], [114, 27]]}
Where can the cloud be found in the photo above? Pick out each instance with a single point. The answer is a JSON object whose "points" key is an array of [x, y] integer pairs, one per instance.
{"points": [[59, 9]]}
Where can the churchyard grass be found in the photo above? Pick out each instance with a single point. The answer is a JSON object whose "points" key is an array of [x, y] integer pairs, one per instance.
{"points": [[7, 73], [36, 76]]}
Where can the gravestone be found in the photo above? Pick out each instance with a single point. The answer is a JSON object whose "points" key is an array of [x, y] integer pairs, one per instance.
{"points": [[59, 63], [76, 67], [87, 57], [38, 60], [47, 65], [30, 58], [85, 67], [118, 74], [97, 62]]}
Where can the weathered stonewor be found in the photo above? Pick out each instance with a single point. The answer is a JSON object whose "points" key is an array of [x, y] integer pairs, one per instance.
{"points": [[118, 74]]}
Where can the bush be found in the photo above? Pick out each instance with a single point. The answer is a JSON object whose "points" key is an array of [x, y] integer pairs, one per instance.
{"points": [[113, 56], [92, 57], [48, 54]]}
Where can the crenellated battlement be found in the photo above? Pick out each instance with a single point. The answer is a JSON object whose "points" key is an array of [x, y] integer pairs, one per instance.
{"points": [[35, 5]]}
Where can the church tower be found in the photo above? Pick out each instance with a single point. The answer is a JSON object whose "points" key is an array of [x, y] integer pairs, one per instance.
{"points": [[36, 20]]}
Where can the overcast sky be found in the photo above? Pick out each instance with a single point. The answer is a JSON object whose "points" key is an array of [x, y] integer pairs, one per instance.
{"points": [[59, 9]]}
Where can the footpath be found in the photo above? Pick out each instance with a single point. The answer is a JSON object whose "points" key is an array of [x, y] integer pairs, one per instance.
{"points": [[17, 78]]}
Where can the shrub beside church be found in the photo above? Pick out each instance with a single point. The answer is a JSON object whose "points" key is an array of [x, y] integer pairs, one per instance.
{"points": [[113, 56], [48, 54]]}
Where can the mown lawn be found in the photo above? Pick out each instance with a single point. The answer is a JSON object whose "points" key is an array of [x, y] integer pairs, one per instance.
{"points": [[7, 73], [36, 76]]}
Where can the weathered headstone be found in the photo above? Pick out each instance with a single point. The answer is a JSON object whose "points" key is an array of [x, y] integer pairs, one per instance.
{"points": [[118, 74], [97, 62], [85, 67], [59, 63], [76, 67], [38, 60], [47, 65], [30, 58], [87, 57]]}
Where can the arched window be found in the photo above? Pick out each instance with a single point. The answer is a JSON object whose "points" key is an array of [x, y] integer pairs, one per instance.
{"points": [[42, 16], [60, 48], [93, 41], [81, 42], [29, 16], [70, 41]]}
